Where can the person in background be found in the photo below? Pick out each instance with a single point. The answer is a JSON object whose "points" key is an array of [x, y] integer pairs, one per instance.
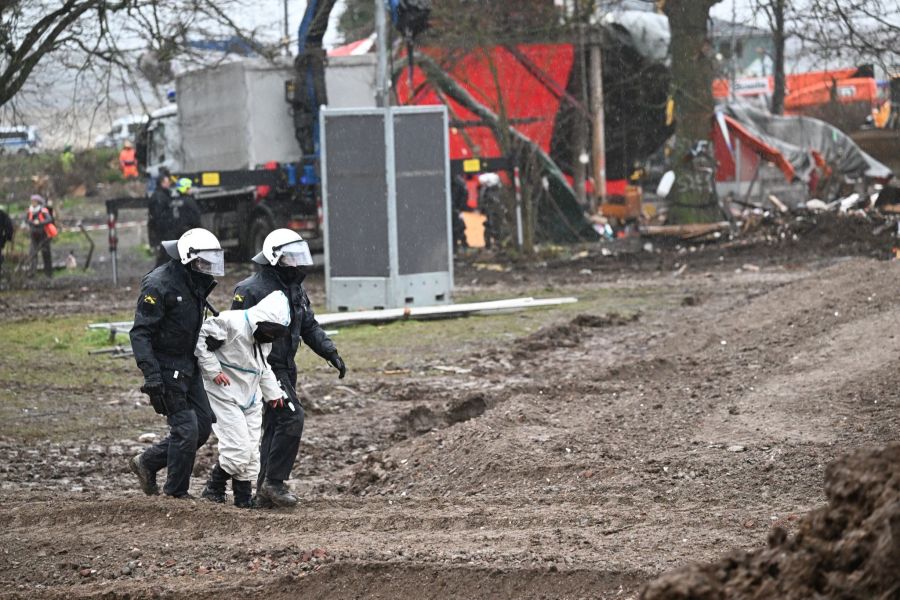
{"points": [[6, 233], [159, 227], [128, 161], [459, 196], [67, 159], [170, 214], [43, 230]]}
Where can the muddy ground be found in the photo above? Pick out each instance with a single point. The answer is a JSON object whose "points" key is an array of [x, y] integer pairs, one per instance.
{"points": [[674, 414]]}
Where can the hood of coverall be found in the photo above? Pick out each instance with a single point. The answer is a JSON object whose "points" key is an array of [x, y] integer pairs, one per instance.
{"points": [[273, 308]]}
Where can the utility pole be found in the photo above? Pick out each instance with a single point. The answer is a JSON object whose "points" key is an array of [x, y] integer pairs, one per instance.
{"points": [[382, 91], [599, 143]]}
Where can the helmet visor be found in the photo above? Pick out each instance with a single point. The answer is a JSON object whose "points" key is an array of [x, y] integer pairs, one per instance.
{"points": [[211, 262], [296, 254]]}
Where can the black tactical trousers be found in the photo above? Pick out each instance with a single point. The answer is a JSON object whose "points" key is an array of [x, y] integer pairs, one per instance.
{"points": [[189, 428], [281, 432]]}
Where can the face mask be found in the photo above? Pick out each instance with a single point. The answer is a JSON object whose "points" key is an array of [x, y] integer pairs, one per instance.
{"points": [[267, 332], [201, 280], [290, 274]]}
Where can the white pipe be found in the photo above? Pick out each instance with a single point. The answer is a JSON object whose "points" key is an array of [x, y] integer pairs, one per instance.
{"points": [[395, 314]]}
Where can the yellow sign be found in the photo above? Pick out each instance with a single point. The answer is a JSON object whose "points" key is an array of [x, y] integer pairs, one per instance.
{"points": [[471, 165], [209, 179]]}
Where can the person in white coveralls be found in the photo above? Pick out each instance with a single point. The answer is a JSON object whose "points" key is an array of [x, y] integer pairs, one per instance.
{"points": [[231, 351]]}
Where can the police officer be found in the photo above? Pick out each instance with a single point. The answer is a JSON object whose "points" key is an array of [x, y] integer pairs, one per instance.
{"points": [[158, 216], [170, 214], [167, 323], [459, 197], [283, 258]]}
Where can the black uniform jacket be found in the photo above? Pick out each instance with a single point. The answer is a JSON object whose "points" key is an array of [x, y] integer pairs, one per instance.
{"points": [[167, 321], [303, 320]]}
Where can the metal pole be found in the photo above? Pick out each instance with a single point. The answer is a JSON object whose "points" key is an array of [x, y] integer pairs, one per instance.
{"points": [[382, 90], [520, 238], [394, 293], [599, 145]]}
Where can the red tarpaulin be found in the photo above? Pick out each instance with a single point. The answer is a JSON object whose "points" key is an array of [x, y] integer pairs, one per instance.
{"points": [[531, 98]]}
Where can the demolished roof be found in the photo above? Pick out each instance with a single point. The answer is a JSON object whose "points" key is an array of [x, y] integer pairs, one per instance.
{"points": [[795, 138]]}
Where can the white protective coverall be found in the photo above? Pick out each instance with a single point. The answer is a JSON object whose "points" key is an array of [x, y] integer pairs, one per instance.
{"points": [[238, 407]]}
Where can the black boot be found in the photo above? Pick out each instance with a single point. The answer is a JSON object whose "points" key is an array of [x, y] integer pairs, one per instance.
{"points": [[243, 490], [144, 475], [215, 485], [277, 493], [259, 502]]}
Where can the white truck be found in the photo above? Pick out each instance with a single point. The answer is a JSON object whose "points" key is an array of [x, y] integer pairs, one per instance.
{"points": [[232, 127]]}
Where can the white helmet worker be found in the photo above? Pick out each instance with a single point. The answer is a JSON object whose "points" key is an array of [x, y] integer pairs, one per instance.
{"points": [[200, 248], [284, 247]]}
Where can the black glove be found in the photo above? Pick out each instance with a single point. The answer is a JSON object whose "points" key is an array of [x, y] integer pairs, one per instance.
{"points": [[157, 393], [338, 363]]}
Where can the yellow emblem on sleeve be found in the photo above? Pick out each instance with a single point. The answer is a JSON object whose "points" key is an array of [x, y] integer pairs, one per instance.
{"points": [[238, 298], [149, 299]]}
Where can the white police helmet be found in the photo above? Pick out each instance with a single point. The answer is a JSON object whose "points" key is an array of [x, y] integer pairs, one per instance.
{"points": [[284, 247], [200, 247]]}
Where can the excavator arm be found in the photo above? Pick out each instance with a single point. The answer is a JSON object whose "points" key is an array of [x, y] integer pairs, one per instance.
{"points": [[409, 16], [309, 82]]}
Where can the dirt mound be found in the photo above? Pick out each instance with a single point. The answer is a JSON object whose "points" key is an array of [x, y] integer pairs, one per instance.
{"points": [[570, 334], [422, 419], [848, 549]]}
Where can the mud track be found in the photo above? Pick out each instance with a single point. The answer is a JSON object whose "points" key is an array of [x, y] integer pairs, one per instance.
{"points": [[579, 461]]}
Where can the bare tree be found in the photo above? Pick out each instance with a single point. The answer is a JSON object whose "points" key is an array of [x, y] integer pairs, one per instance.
{"points": [[864, 31], [774, 11], [98, 49]]}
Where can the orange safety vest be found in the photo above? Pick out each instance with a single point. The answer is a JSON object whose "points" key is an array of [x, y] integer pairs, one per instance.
{"points": [[128, 163], [44, 219]]}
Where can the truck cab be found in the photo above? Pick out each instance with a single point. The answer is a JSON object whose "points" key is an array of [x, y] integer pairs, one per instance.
{"points": [[125, 128], [159, 143]]}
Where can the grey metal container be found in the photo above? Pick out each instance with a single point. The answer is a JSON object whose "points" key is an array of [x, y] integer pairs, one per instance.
{"points": [[386, 205]]}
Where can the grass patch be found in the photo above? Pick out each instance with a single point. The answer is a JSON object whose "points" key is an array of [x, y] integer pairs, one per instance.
{"points": [[57, 350], [405, 344], [51, 388]]}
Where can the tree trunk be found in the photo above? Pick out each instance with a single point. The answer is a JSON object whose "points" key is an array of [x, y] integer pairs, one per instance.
{"points": [[692, 76], [778, 37]]}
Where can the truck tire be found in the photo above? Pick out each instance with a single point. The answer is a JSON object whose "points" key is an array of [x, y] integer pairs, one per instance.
{"points": [[261, 227]]}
